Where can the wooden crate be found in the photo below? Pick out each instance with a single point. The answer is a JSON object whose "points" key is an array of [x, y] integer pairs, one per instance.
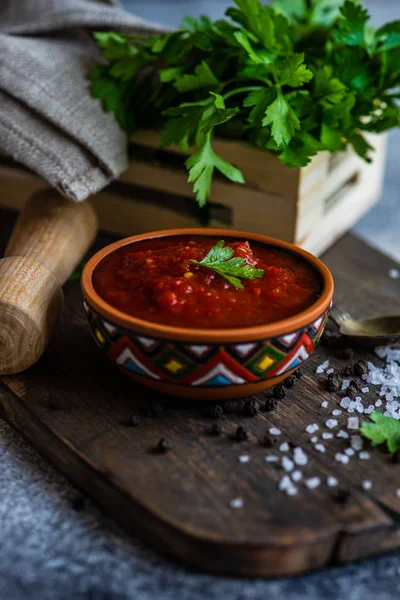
{"points": [[311, 206]]}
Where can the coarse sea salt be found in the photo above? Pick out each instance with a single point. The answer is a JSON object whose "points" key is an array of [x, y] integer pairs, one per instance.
{"points": [[274, 431], [312, 428], [366, 485], [342, 458], [365, 390], [287, 464], [394, 273], [336, 412], [284, 447], [352, 423], [271, 459], [345, 402], [314, 439], [319, 447], [327, 435], [312, 483], [345, 384], [299, 456], [244, 458], [349, 451], [398, 492], [330, 371], [236, 503], [286, 485], [342, 434], [378, 403], [296, 475], [364, 455], [324, 404], [356, 442], [321, 368], [331, 423], [332, 481]]}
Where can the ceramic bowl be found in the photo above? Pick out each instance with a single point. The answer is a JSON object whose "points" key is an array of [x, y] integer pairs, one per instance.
{"points": [[199, 363]]}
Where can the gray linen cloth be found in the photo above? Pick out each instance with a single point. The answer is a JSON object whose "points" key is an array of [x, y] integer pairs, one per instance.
{"points": [[48, 119]]}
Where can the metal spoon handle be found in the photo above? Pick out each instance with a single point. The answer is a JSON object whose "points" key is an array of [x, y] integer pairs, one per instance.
{"points": [[339, 316]]}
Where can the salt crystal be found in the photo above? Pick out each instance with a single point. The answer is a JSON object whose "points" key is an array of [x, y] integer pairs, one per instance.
{"points": [[364, 455], [284, 483], [292, 491], [336, 412], [329, 371], [287, 463], [314, 439], [342, 458], [271, 459], [370, 409], [366, 485], [319, 447], [332, 481], [244, 458], [360, 408], [321, 368], [398, 492], [344, 403], [365, 390], [352, 423], [297, 475], [349, 452], [345, 384], [312, 428], [236, 503], [331, 423], [284, 447], [299, 456], [342, 434], [275, 431], [313, 483], [394, 273], [327, 435], [356, 442], [378, 403], [324, 404]]}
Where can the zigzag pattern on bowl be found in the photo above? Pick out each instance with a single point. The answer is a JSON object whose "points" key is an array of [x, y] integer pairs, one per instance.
{"points": [[204, 365]]}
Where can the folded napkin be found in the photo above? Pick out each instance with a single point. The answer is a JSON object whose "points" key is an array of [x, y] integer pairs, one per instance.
{"points": [[48, 119]]}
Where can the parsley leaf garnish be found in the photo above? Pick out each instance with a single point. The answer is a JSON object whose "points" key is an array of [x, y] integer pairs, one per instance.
{"points": [[219, 259], [294, 79], [383, 429]]}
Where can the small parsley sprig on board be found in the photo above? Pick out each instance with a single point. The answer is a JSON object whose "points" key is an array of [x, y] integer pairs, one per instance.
{"points": [[219, 259], [293, 79], [382, 430]]}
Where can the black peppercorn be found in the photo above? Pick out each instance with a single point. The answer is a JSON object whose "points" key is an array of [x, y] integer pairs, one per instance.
{"points": [[270, 404], [341, 496], [135, 421], [214, 412], [216, 429], [163, 446], [155, 410], [290, 381], [241, 434], [298, 373], [332, 384], [279, 391], [232, 406], [349, 370], [396, 457], [360, 368], [251, 408]]}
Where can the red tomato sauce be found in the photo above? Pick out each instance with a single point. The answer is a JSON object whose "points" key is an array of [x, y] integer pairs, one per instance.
{"points": [[154, 280]]}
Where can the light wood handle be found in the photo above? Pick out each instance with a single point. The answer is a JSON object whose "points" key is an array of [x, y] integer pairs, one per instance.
{"points": [[54, 232], [50, 238]]}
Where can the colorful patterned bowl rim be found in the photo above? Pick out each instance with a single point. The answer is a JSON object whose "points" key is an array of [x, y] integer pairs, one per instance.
{"points": [[277, 328]]}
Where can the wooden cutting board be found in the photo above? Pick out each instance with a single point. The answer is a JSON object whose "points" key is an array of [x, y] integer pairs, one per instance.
{"points": [[75, 408]]}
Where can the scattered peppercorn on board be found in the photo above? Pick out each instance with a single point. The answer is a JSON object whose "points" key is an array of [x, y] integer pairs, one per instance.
{"points": [[204, 488]]}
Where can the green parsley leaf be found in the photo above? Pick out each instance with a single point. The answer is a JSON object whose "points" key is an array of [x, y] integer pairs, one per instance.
{"points": [[328, 89], [201, 167], [261, 100], [202, 77], [382, 429], [219, 115], [282, 119], [219, 259], [256, 19], [293, 72], [351, 26], [388, 36], [114, 45]]}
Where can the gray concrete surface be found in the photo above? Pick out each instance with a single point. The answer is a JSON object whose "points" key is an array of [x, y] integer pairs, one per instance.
{"points": [[51, 552]]}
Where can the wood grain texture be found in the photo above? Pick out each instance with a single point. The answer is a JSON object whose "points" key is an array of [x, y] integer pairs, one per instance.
{"points": [[75, 408], [49, 239]]}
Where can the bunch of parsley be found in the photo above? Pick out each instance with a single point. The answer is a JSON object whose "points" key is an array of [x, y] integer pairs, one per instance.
{"points": [[293, 79]]}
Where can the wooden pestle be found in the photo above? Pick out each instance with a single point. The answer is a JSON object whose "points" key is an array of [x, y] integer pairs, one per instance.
{"points": [[49, 240]]}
